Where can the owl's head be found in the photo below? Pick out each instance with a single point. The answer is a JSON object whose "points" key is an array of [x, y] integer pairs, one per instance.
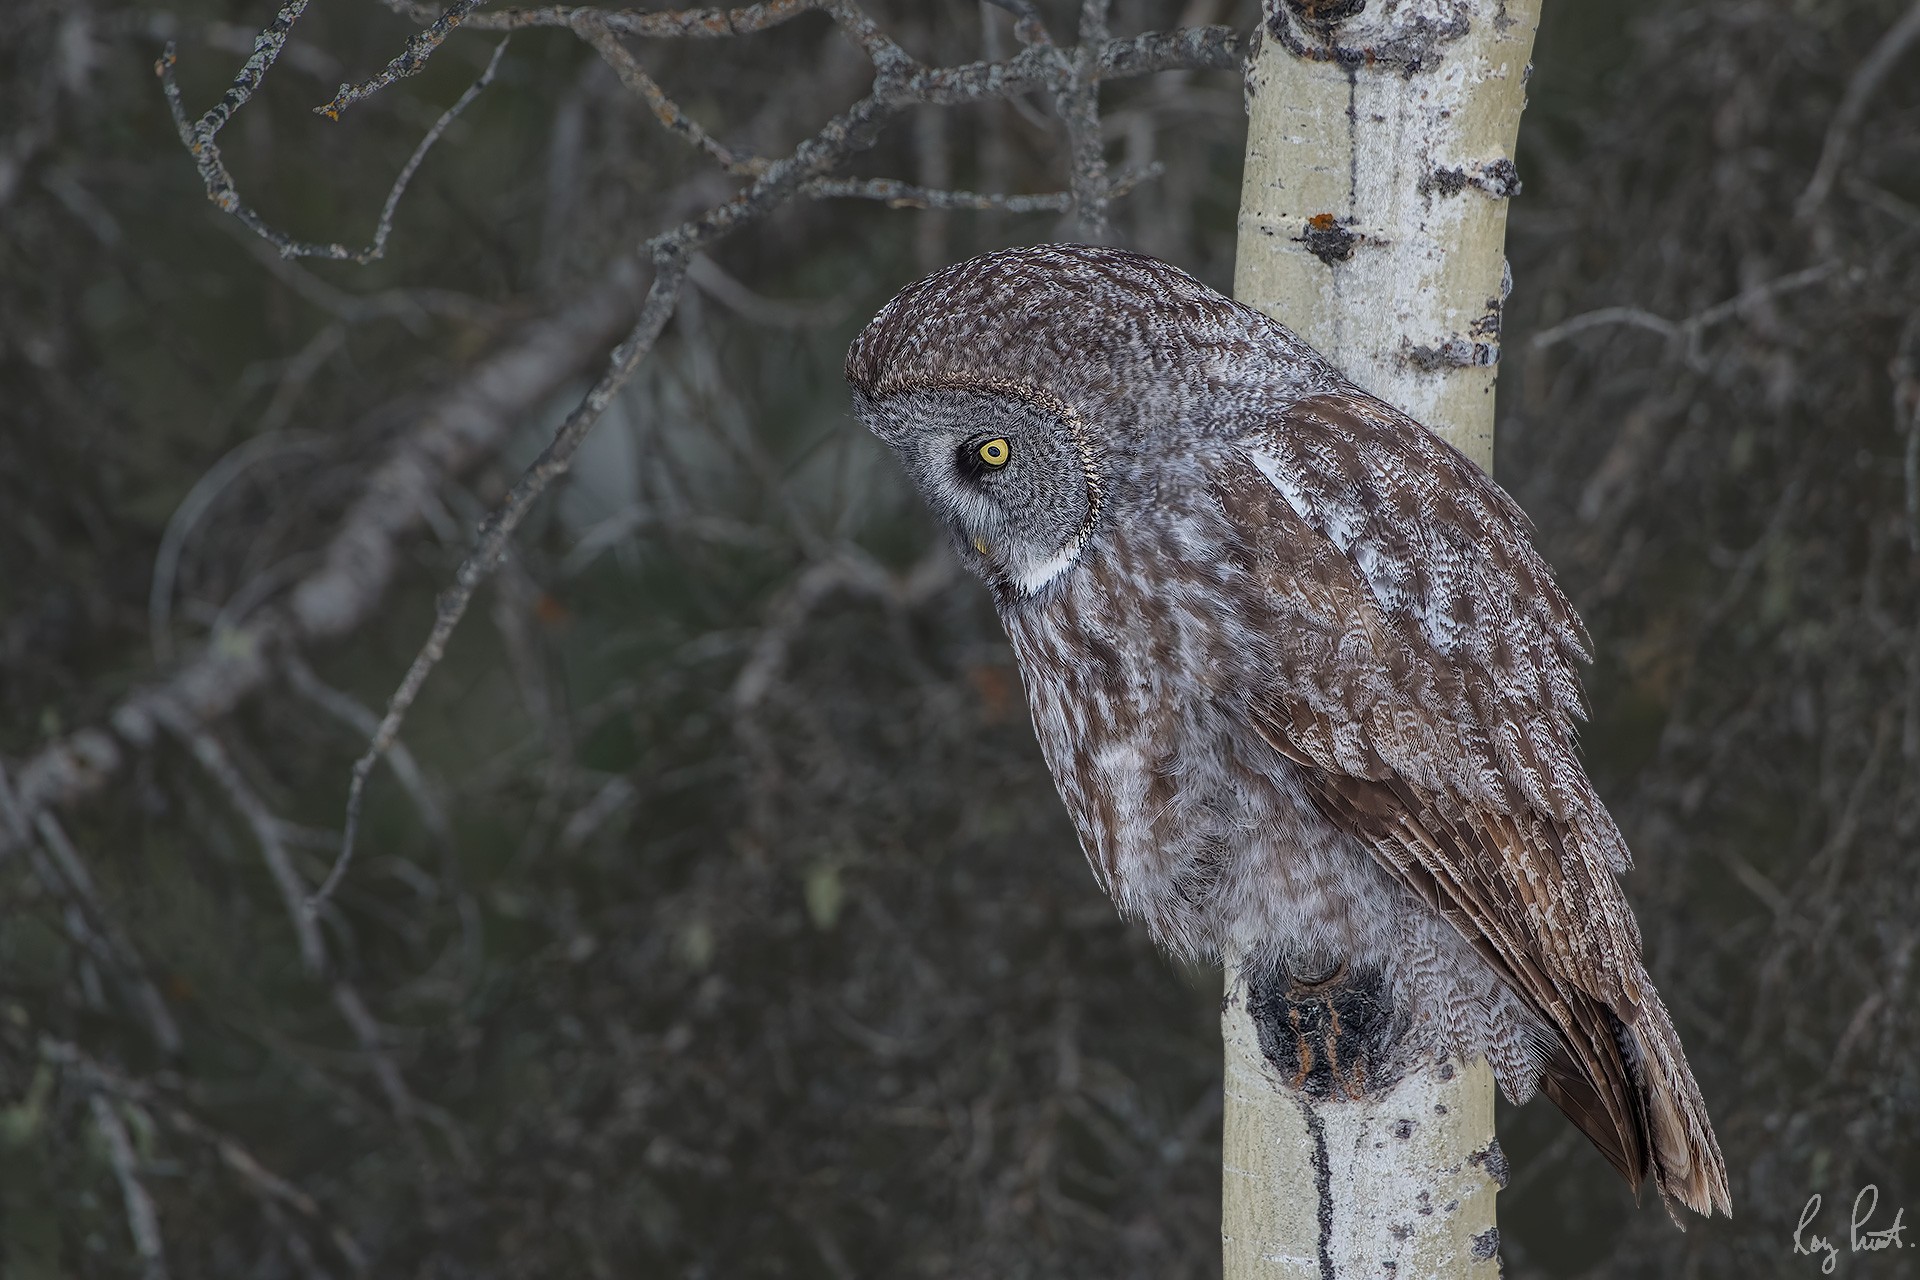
{"points": [[1034, 393], [1010, 471]]}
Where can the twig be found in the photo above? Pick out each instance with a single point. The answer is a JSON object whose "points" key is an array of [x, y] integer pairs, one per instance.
{"points": [[213, 758], [410, 306], [173, 539], [1028, 26], [494, 533], [198, 138], [905, 195], [1865, 83], [705, 275], [142, 1219], [682, 24], [260, 1180], [665, 110], [1689, 331], [410, 61], [1904, 369], [891, 63], [266, 51], [219, 766], [347, 1000], [65, 875], [1079, 107], [1603, 316], [351, 712], [384, 227], [117, 950]]}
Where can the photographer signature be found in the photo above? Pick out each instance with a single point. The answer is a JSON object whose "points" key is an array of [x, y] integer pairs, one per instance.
{"points": [[1859, 1238]]}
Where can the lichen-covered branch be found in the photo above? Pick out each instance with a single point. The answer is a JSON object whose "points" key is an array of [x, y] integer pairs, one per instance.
{"points": [[410, 61]]}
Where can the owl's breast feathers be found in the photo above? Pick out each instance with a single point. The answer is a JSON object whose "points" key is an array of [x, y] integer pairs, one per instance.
{"points": [[1367, 602]]}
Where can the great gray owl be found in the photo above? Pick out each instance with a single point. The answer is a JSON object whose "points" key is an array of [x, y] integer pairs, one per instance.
{"points": [[1305, 686]]}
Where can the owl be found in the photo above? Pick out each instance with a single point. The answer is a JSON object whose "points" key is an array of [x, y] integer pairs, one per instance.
{"points": [[1305, 687]]}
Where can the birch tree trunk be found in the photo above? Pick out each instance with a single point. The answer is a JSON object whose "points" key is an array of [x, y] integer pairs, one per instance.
{"points": [[1372, 222]]}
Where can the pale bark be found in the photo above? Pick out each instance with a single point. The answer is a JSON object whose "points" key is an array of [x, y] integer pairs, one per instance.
{"points": [[1400, 1184], [1405, 170], [1373, 223]]}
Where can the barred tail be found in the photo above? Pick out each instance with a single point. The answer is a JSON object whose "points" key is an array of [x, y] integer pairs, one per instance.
{"points": [[1687, 1165]]}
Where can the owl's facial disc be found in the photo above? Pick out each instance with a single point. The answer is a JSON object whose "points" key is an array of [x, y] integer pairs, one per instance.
{"points": [[1006, 475]]}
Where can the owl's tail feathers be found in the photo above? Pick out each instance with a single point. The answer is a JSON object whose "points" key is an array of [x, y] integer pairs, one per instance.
{"points": [[1653, 1122], [1588, 1089], [1687, 1165]]}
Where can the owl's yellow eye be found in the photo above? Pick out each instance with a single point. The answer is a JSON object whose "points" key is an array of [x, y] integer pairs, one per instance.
{"points": [[996, 452]]}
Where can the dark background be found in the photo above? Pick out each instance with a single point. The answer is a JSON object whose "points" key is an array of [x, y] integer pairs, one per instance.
{"points": [[754, 941]]}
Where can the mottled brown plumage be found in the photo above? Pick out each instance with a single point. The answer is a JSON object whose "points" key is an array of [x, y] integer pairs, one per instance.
{"points": [[1305, 686]]}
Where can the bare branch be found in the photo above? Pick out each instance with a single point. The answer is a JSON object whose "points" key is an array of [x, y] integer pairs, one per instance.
{"points": [[494, 533], [847, 133], [198, 138], [261, 1181], [1686, 333], [205, 492], [1028, 26], [266, 51], [384, 227], [665, 110], [219, 766], [464, 427], [1866, 82], [1079, 106], [214, 759], [890, 61], [142, 1219], [410, 61], [108, 942], [373, 1043], [360, 718], [64, 875], [705, 274], [905, 195], [1635, 317], [682, 24]]}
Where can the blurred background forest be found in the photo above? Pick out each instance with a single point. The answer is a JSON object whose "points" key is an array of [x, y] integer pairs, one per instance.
{"points": [[719, 918]]}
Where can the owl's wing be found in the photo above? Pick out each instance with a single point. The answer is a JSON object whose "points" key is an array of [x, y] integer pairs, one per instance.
{"points": [[1427, 687]]}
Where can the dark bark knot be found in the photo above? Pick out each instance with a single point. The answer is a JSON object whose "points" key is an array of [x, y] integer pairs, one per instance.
{"points": [[1496, 179], [1326, 239], [1494, 1161], [1455, 352], [1325, 13], [1341, 32]]}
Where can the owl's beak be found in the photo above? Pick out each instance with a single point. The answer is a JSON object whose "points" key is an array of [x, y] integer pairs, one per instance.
{"points": [[980, 545]]}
